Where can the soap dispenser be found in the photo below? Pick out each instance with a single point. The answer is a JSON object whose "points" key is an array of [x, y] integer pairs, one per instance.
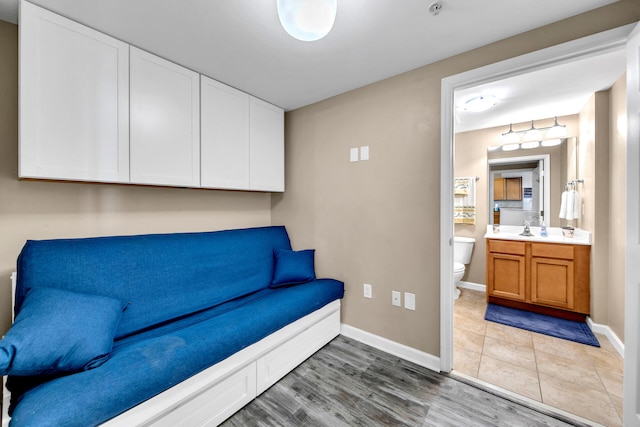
{"points": [[543, 230]]}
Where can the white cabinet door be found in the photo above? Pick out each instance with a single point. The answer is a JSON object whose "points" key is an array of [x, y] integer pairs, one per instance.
{"points": [[74, 103], [165, 122], [266, 146], [224, 136]]}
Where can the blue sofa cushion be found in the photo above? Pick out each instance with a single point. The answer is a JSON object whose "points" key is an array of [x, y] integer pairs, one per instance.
{"points": [[163, 276], [144, 366], [293, 267], [58, 331]]}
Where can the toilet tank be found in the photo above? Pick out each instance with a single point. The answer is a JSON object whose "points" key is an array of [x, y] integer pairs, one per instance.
{"points": [[462, 249]]}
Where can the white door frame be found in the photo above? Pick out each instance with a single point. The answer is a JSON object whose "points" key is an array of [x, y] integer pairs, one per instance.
{"points": [[631, 406], [577, 49]]}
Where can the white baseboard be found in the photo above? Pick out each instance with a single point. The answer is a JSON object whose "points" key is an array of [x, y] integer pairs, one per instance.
{"points": [[608, 332], [418, 357], [473, 286]]}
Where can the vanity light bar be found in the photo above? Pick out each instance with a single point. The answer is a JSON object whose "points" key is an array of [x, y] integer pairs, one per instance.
{"points": [[553, 132]]}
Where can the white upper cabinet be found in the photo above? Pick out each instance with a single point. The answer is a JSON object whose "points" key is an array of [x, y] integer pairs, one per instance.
{"points": [[224, 136], [93, 108], [266, 146], [242, 140], [74, 100], [165, 122]]}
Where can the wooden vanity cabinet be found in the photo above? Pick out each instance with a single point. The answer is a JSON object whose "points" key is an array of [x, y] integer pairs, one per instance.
{"points": [[507, 188], [506, 269], [550, 278]]}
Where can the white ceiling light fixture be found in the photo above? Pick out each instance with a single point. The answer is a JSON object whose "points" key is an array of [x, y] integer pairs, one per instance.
{"points": [[480, 103], [307, 20]]}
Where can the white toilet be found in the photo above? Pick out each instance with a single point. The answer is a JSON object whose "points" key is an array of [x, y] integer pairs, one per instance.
{"points": [[462, 249]]}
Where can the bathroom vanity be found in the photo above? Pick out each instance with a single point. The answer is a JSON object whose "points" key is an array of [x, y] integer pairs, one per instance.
{"points": [[548, 275]]}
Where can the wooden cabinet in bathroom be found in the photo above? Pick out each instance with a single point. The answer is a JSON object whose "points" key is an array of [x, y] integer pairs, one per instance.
{"points": [[507, 188], [549, 278]]}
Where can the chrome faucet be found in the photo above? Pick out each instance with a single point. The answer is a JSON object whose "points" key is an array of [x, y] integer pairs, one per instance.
{"points": [[527, 231]]}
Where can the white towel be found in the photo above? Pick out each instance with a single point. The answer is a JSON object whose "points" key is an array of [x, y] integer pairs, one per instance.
{"points": [[563, 205], [576, 205], [570, 204], [464, 204]]}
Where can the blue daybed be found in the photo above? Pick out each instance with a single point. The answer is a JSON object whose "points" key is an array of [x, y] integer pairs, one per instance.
{"points": [[160, 329]]}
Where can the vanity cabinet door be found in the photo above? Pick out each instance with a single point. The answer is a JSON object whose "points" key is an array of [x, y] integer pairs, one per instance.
{"points": [[165, 122], [498, 189], [506, 276], [513, 188], [74, 100], [552, 282]]}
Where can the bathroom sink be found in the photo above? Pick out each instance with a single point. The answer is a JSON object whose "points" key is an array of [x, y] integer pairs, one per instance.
{"points": [[514, 232]]}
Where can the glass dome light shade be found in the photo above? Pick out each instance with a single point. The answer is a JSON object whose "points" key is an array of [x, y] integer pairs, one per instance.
{"points": [[551, 142], [510, 147], [532, 134], [557, 131], [529, 145], [510, 137], [480, 103], [307, 20]]}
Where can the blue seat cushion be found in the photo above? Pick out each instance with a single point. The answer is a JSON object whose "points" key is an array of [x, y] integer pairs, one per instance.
{"points": [[141, 367]]}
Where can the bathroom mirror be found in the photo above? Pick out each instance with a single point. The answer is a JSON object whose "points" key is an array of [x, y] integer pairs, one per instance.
{"points": [[527, 185]]}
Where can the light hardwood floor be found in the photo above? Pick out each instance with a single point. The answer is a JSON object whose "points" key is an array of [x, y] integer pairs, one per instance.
{"points": [[577, 378], [348, 383]]}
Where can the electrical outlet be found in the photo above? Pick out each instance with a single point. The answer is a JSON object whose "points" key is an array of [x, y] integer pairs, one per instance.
{"points": [[409, 301], [395, 298], [368, 292]]}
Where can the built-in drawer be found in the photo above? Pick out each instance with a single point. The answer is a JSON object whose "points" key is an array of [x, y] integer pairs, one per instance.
{"points": [[548, 250], [507, 247], [227, 396]]}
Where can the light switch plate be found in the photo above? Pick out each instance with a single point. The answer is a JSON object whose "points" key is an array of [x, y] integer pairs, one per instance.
{"points": [[368, 292], [364, 153], [409, 301], [353, 156]]}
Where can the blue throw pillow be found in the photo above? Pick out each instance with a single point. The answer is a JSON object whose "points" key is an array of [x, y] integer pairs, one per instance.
{"points": [[293, 267], [58, 331]]}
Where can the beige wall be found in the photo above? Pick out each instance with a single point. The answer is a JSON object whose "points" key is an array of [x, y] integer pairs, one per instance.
{"points": [[378, 221], [617, 205], [471, 160], [40, 210], [593, 167]]}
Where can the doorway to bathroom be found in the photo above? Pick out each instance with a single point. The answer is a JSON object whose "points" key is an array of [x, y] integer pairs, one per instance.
{"points": [[539, 60]]}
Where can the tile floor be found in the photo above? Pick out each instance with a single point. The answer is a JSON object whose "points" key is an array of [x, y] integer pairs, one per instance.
{"points": [[577, 378]]}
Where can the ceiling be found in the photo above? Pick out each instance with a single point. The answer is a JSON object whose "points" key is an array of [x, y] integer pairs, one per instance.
{"points": [[241, 42], [559, 90]]}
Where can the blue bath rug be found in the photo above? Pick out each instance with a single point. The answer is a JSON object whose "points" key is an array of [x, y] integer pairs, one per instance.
{"points": [[548, 325]]}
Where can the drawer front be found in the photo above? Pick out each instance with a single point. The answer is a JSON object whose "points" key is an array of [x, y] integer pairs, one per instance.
{"points": [[281, 360], [226, 396], [507, 247], [547, 250]]}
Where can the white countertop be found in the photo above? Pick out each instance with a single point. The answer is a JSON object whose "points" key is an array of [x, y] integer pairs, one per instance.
{"points": [[512, 232]]}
